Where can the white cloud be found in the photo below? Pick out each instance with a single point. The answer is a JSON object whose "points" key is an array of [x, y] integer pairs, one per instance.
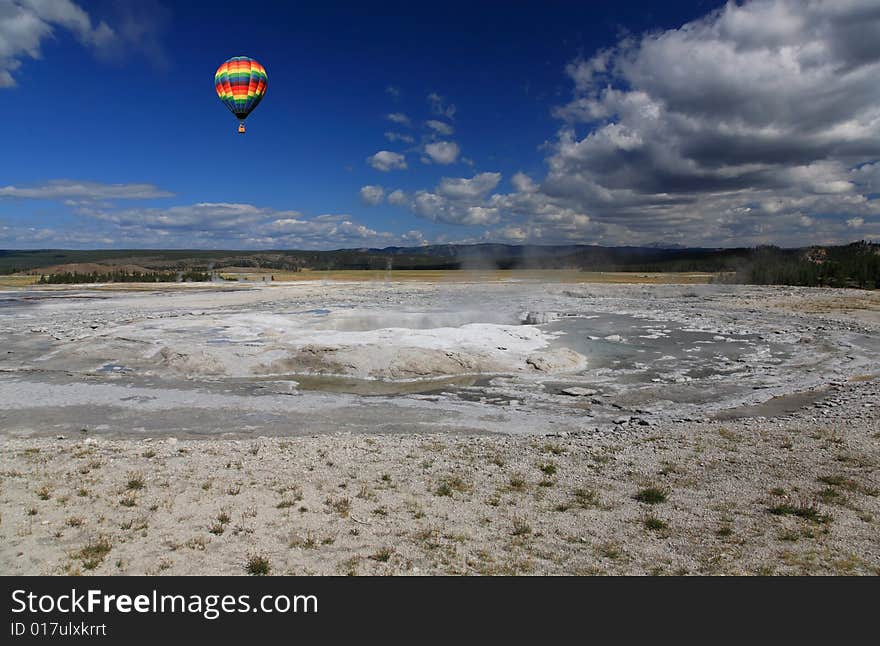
{"points": [[385, 160], [442, 152], [855, 223], [206, 225], [523, 183], [63, 189], [440, 107], [372, 195], [414, 238], [19, 237], [475, 188], [25, 24], [398, 117], [398, 136], [741, 127], [393, 91], [440, 127], [206, 216], [456, 200], [397, 198]]}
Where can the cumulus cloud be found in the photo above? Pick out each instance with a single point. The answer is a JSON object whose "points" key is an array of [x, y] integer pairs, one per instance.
{"points": [[855, 223], [206, 225], [440, 127], [442, 152], [398, 136], [744, 126], [398, 117], [397, 198], [385, 160], [206, 216], [454, 200], [474, 188], [392, 91], [523, 183], [372, 195], [30, 237], [70, 190]]}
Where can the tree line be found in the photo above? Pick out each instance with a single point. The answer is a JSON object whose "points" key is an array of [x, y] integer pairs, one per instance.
{"points": [[854, 265], [75, 277]]}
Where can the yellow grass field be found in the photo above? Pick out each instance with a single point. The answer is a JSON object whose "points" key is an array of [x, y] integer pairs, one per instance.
{"points": [[18, 281], [426, 275]]}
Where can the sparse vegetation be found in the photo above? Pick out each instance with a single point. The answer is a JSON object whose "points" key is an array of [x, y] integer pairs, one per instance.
{"points": [[586, 498], [610, 550], [555, 449], [655, 524], [451, 484], [521, 527], [135, 482], [806, 511], [651, 495], [92, 554], [517, 482], [383, 554], [307, 543], [341, 506], [257, 565], [830, 496], [724, 531]]}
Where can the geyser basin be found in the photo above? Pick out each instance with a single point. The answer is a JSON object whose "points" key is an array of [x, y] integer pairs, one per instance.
{"points": [[303, 357]]}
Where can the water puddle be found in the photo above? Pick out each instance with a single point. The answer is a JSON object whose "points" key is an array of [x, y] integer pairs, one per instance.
{"points": [[775, 407], [374, 387]]}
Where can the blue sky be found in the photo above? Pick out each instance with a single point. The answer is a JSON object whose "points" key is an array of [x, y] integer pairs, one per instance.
{"points": [[404, 123]]}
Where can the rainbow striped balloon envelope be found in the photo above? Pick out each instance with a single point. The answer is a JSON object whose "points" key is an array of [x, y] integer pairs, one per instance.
{"points": [[241, 84]]}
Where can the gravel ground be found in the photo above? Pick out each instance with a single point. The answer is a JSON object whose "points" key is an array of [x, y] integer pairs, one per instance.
{"points": [[751, 496]]}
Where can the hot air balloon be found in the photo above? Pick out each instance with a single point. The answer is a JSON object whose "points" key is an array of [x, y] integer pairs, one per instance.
{"points": [[241, 85]]}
